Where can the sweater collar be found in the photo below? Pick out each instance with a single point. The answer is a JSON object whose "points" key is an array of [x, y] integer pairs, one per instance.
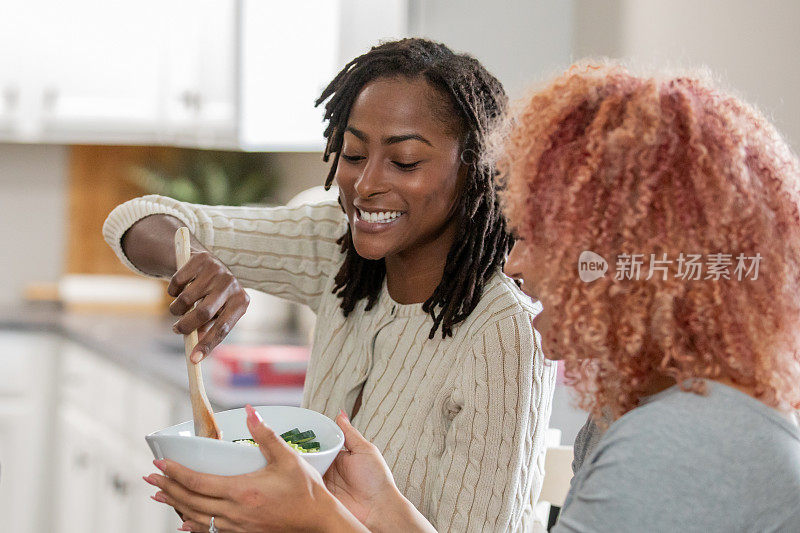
{"points": [[387, 305]]}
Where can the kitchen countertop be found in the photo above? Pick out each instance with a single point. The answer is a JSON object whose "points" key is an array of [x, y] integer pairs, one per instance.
{"points": [[146, 346]]}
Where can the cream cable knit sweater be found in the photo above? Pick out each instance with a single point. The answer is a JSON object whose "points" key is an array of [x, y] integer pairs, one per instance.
{"points": [[460, 421]]}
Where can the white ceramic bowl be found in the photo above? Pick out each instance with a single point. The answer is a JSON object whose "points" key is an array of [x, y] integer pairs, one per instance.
{"points": [[223, 457]]}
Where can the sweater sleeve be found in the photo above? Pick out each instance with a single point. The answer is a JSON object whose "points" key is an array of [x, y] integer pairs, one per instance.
{"points": [[490, 476], [287, 252]]}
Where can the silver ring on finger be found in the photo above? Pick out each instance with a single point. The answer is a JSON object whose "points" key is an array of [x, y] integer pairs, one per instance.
{"points": [[212, 528]]}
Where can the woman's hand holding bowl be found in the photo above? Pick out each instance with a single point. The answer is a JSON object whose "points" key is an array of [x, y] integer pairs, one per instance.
{"points": [[361, 480], [286, 495]]}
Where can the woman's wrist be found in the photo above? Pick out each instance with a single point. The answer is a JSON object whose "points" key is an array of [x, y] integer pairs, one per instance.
{"points": [[334, 517], [395, 513], [150, 244]]}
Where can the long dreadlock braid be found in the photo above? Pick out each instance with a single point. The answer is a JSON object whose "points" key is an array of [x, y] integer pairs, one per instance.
{"points": [[481, 242]]}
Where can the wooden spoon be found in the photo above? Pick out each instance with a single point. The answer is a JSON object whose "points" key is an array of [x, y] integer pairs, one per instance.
{"points": [[204, 423]]}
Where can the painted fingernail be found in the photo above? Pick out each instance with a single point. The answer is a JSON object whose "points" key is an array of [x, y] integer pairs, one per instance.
{"points": [[252, 415], [150, 480], [186, 526], [341, 412], [159, 497], [161, 464]]}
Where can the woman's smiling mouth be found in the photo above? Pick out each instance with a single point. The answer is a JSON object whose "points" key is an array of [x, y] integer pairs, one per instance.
{"points": [[372, 221]]}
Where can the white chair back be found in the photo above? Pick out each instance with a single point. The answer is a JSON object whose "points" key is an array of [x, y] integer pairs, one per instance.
{"points": [[557, 474]]}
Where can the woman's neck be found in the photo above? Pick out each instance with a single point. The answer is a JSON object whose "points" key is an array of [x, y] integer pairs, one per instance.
{"points": [[413, 275], [658, 383]]}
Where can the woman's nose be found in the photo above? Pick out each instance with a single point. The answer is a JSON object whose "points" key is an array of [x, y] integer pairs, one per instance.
{"points": [[510, 269], [371, 181]]}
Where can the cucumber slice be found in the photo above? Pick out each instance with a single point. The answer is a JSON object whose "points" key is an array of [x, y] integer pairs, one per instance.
{"points": [[305, 436], [291, 432], [246, 442], [310, 446]]}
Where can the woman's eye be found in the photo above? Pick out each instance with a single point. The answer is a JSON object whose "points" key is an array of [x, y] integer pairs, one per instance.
{"points": [[352, 158], [406, 166]]}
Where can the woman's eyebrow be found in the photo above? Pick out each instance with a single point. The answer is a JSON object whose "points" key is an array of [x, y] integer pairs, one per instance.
{"points": [[358, 133], [392, 139], [406, 137]]}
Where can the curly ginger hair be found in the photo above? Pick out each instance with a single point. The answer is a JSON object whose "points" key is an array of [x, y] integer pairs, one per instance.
{"points": [[614, 163]]}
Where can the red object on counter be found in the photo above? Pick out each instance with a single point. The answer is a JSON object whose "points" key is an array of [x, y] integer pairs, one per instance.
{"points": [[249, 366]]}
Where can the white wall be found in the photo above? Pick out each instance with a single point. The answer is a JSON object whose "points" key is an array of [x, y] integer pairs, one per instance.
{"points": [[751, 46], [33, 225], [519, 41], [365, 23]]}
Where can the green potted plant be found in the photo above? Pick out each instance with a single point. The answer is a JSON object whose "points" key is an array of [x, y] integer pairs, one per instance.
{"points": [[209, 177]]}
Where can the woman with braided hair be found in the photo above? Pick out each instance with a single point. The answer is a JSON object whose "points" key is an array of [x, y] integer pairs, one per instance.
{"points": [[419, 336]]}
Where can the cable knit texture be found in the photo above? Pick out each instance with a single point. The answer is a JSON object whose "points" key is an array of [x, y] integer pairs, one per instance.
{"points": [[460, 421]]}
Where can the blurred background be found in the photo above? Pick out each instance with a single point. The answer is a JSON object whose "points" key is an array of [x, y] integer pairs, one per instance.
{"points": [[211, 101]]}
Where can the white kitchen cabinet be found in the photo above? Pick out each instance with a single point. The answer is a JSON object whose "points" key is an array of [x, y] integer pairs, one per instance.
{"points": [[78, 473], [200, 74], [72, 449], [146, 514], [19, 492], [109, 81], [112, 71], [289, 54], [104, 413], [99, 481], [26, 406], [92, 70], [290, 51], [17, 61]]}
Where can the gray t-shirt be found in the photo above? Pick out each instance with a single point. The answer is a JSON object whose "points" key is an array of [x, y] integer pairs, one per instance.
{"points": [[585, 442], [685, 462]]}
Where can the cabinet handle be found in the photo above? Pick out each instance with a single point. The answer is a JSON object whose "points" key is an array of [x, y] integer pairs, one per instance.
{"points": [[119, 485], [11, 96], [82, 460], [49, 98], [190, 100], [186, 99]]}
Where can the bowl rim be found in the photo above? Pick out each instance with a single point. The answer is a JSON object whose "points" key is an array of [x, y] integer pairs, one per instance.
{"points": [[227, 443]]}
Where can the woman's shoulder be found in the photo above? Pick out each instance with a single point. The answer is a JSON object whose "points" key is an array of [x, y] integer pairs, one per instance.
{"points": [[502, 305], [689, 442], [721, 422]]}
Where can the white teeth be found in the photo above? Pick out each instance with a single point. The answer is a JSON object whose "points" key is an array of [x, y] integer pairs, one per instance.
{"points": [[381, 217]]}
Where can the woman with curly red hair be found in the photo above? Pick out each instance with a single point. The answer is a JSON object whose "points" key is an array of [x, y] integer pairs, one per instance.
{"points": [[688, 342]]}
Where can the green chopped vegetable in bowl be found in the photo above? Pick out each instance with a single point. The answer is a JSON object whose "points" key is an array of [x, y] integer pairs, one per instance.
{"points": [[302, 441]]}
